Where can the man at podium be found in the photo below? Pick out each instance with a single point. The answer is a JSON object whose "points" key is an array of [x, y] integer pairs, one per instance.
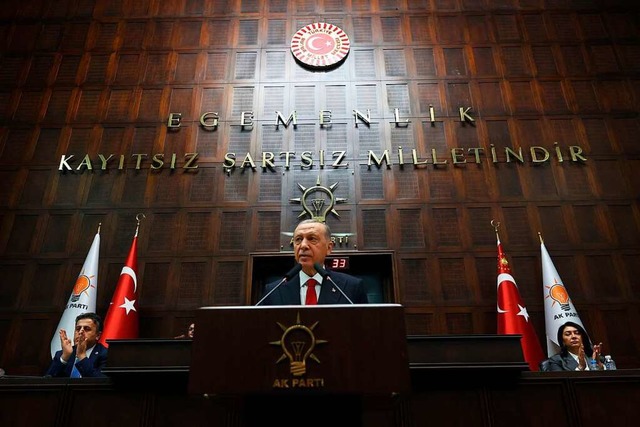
{"points": [[308, 283]]}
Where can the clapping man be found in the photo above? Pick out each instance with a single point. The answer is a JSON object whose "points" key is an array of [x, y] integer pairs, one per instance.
{"points": [[84, 357]]}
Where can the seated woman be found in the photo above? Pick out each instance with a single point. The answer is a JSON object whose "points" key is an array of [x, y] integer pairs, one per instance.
{"points": [[191, 330], [574, 348]]}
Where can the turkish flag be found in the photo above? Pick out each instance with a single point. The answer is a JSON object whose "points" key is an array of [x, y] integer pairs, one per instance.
{"points": [[513, 318], [121, 321]]}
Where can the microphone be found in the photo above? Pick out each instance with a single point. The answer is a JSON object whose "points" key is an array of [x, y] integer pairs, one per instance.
{"points": [[325, 275], [291, 273]]}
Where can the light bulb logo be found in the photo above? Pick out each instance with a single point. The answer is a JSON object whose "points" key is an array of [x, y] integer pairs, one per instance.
{"points": [[82, 285], [321, 204], [559, 294], [298, 342]]}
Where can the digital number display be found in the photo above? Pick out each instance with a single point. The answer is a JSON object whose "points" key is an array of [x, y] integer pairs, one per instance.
{"points": [[341, 263]]}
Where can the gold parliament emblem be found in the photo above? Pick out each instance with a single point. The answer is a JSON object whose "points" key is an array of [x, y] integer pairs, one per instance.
{"points": [[298, 342]]}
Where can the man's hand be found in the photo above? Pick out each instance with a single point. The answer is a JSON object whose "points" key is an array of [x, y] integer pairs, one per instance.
{"points": [[65, 343], [81, 347]]}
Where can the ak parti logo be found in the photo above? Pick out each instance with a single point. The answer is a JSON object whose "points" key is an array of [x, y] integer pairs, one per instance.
{"points": [[83, 283]]}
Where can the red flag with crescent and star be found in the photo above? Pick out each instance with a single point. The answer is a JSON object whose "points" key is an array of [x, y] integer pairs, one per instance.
{"points": [[121, 321], [513, 318]]}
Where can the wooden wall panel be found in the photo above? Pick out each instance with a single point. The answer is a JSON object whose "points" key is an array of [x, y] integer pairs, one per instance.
{"points": [[99, 192], [459, 323], [484, 271], [527, 270], [228, 289], [419, 324], [12, 273], [624, 221], [374, 222], [7, 179], [416, 292], [596, 266], [100, 77], [454, 282]]}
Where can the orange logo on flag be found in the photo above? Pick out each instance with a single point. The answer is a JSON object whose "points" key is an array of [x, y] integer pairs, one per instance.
{"points": [[559, 294], [82, 284]]}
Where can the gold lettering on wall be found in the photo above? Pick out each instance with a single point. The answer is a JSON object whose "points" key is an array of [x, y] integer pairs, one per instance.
{"points": [[210, 120], [137, 160], [269, 161]]}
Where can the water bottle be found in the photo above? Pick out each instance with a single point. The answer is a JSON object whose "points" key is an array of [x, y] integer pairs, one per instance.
{"points": [[593, 365], [609, 364]]}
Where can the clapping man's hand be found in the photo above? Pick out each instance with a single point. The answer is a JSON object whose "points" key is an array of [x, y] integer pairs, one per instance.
{"points": [[67, 346], [81, 347]]}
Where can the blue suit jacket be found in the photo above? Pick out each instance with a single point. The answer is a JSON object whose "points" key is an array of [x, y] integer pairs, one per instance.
{"points": [[88, 367], [289, 292]]}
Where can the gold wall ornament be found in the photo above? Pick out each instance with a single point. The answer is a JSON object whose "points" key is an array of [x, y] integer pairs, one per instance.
{"points": [[298, 342], [318, 201]]}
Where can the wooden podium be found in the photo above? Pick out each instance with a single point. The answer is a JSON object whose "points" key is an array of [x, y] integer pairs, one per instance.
{"points": [[289, 363]]}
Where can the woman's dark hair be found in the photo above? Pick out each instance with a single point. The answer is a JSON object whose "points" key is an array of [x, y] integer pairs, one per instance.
{"points": [[586, 342]]}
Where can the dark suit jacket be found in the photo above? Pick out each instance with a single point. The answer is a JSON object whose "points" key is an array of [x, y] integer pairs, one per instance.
{"points": [[289, 292], [88, 367], [557, 362]]}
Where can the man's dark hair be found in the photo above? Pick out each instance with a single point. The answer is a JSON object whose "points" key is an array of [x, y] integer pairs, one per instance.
{"points": [[327, 229], [92, 316], [586, 342]]}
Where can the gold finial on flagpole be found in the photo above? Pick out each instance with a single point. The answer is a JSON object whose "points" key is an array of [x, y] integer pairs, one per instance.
{"points": [[99, 225], [496, 224], [540, 236], [139, 218]]}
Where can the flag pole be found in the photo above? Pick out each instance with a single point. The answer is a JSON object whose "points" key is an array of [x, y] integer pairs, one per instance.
{"points": [[496, 224], [139, 219], [121, 321], [83, 296], [540, 236], [513, 318], [99, 225]]}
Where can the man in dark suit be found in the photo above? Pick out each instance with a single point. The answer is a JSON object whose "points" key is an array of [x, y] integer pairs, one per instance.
{"points": [[311, 244], [87, 357]]}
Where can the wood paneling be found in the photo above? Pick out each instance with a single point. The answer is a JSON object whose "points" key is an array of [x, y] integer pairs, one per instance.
{"points": [[100, 77], [469, 399]]}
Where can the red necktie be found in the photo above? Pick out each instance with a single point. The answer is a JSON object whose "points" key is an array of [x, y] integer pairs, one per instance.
{"points": [[312, 298]]}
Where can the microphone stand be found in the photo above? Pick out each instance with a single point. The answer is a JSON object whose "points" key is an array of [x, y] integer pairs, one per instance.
{"points": [[295, 270], [325, 275]]}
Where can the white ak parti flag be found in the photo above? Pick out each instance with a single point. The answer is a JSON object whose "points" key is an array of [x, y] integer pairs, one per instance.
{"points": [[83, 296], [558, 307]]}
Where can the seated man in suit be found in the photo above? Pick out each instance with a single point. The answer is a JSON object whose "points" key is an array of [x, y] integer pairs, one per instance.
{"points": [[311, 245], [87, 357], [574, 348]]}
